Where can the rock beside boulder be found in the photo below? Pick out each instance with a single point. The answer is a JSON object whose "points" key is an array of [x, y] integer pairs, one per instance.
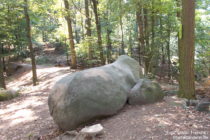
{"points": [[87, 133], [144, 92], [93, 130], [203, 105], [94, 93]]}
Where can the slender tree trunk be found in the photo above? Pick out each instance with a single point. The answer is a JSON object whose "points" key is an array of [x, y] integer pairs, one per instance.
{"points": [[3, 60], [138, 35], [88, 29], [153, 30], [178, 13], [82, 30], [130, 52], [121, 28], [187, 50], [139, 17], [28, 29], [77, 37], [43, 36], [109, 46], [2, 80], [98, 28], [161, 42], [71, 37], [108, 34], [146, 36], [147, 49], [168, 48]]}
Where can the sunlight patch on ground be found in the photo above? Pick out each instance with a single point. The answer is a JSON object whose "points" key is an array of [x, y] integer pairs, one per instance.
{"points": [[161, 120], [44, 76], [24, 115], [28, 103]]}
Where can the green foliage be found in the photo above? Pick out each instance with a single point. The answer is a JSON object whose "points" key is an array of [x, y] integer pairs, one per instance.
{"points": [[43, 60], [7, 95], [82, 48], [48, 25]]}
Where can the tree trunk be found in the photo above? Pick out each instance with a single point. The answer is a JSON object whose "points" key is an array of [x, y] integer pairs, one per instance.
{"points": [[82, 28], [178, 13], [88, 29], [2, 80], [146, 31], [121, 28], [140, 35], [130, 52], [76, 32], [98, 28], [153, 29], [187, 50], [108, 38], [28, 29], [168, 48], [109, 46], [71, 37], [161, 42], [3, 59], [147, 49]]}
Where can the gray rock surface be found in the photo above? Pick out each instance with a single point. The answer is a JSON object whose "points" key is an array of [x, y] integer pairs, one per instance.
{"points": [[145, 91], [90, 94], [203, 105]]}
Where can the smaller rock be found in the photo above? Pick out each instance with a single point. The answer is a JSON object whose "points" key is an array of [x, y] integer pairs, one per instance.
{"points": [[145, 91], [171, 92], [93, 130], [87, 132], [191, 102], [203, 105]]}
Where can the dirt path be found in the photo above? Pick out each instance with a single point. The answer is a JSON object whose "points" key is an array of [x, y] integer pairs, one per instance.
{"points": [[27, 117], [159, 121]]}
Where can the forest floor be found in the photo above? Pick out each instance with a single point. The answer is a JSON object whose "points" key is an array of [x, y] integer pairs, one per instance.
{"points": [[27, 117]]}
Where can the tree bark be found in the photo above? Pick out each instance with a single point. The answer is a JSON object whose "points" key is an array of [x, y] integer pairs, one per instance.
{"points": [[140, 35], [121, 28], [28, 29], [161, 42], [88, 29], [71, 37], [187, 50], [130, 48], [178, 13], [98, 28], [109, 46], [108, 34], [146, 31], [168, 48], [2, 80], [153, 29]]}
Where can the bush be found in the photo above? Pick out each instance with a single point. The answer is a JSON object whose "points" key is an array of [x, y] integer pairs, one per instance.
{"points": [[8, 94], [40, 60]]}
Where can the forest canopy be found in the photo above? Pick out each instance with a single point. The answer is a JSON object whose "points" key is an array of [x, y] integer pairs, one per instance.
{"points": [[96, 32]]}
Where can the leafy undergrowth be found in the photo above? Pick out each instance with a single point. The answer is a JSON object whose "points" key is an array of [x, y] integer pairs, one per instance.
{"points": [[7, 94], [27, 116]]}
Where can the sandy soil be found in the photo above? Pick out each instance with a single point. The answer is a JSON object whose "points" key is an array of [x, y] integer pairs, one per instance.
{"points": [[27, 116]]}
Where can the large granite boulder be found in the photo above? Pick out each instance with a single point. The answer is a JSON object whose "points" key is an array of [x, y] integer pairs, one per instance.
{"points": [[94, 93], [144, 92]]}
